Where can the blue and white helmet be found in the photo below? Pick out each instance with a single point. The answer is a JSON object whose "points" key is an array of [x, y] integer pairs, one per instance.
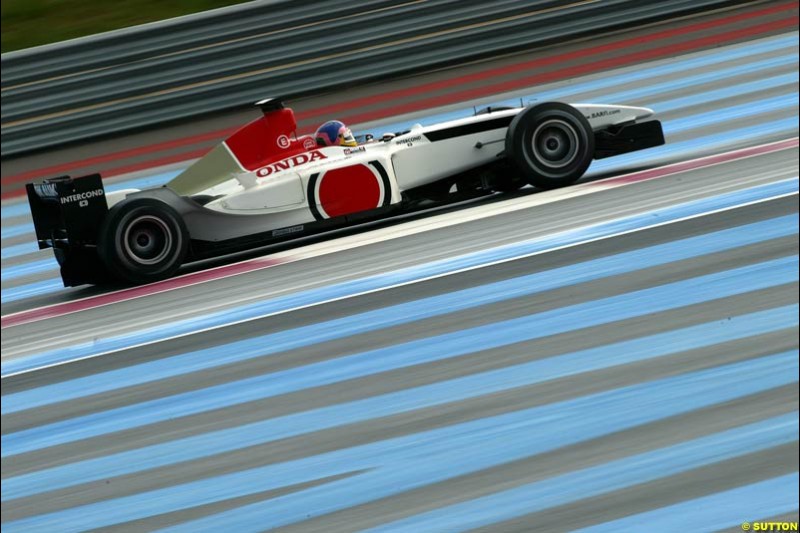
{"points": [[335, 133]]}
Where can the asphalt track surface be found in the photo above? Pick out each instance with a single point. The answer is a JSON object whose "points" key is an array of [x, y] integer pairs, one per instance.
{"points": [[618, 355]]}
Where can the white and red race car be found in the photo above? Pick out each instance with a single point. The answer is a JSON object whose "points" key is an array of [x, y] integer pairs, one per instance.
{"points": [[264, 184]]}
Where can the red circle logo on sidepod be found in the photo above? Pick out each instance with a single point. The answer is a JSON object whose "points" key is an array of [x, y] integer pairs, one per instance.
{"points": [[351, 189]]}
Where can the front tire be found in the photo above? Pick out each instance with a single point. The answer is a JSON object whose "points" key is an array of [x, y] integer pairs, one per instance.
{"points": [[143, 240], [552, 144]]}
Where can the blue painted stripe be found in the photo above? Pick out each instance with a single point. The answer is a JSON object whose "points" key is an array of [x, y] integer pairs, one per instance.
{"points": [[728, 92], [16, 230], [390, 316], [699, 79], [29, 290], [15, 208], [400, 464], [619, 80], [737, 112], [146, 182], [402, 356], [318, 374], [154, 180], [16, 250], [29, 268], [602, 311], [587, 483], [730, 508], [786, 127], [658, 107]]}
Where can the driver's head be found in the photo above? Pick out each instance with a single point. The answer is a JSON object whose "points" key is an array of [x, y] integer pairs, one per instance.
{"points": [[335, 133]]}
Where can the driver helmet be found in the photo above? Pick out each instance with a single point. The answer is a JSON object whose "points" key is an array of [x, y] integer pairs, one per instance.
{"points": [[335, 133]]}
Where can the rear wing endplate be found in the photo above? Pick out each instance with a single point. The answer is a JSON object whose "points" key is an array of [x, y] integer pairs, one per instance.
{"points": [[67, 212]]}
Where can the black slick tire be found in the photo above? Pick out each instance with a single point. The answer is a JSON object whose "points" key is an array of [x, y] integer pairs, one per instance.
{"points": [[142, 240], [551, 143]]}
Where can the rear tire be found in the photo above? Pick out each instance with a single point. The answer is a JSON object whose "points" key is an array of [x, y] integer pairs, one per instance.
{"points": [[143, 240], [551, 143]]}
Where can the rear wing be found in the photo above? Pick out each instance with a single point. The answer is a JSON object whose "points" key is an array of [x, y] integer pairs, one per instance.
{"points": [[67, 212]]}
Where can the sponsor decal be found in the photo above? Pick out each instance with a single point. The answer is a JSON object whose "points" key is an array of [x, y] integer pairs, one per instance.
{"points": [[287, 231], [81, 197], [283, 141], [290, 162], [603, 113], [309, 144], [409, 140], [46, 190], [349, 151]]}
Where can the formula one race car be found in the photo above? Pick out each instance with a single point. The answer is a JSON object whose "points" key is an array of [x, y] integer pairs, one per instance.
{"points": [[264, 184]]}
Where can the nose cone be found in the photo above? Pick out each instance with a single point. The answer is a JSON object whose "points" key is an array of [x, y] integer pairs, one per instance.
{"points": [[632, 113], [641, 112]]}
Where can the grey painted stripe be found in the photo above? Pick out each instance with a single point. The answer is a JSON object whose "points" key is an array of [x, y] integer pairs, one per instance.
{"points": [[254, 411], [661, 493], [397, 425], [449, 323], [212, 508], [663, 433], [380, 253], [560, 298]]}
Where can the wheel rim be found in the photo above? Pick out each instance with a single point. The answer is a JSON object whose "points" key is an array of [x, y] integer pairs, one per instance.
{"points": [[147, 240], [555, 144]]}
